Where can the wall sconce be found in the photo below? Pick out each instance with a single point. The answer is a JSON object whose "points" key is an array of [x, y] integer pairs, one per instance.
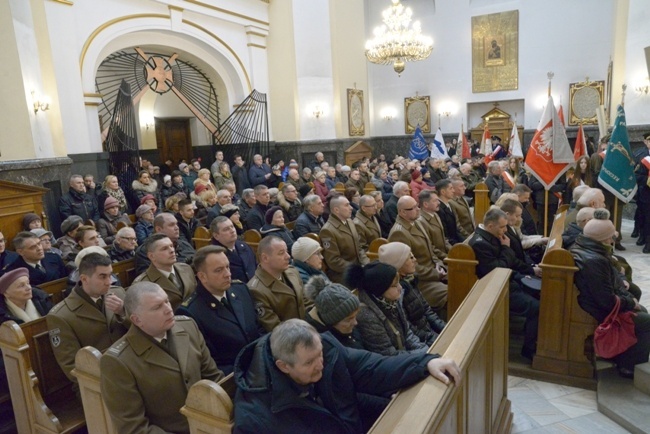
{"points": [[318, 112], [41, 103], [446, 113], [388, 114], [148, 121], [148, 125], [643, 89]]}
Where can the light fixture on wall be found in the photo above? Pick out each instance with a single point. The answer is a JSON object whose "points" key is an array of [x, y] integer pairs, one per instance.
{"points": [[445, 113], [148, 125], [388, 113], [318, 110], [644, 88], [148, 121], [40, 102], [395, 43]]}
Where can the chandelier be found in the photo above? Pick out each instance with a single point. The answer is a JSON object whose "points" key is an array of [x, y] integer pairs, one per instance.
{"points": [[395, 42]]}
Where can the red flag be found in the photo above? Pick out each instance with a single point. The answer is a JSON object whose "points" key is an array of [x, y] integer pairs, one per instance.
{"points": [[560, 114], [549, 152], [581, 145], [492, 155], [486, 141], [464, 144]]}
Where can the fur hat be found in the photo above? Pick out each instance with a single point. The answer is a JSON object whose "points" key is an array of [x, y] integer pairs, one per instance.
{"points": [[71, 223], [333, 301], [110, 202], [92, 249], [182, 166], [229, 209], [600, 228], [303, 248], [375, 278], [394, 254], [11, 276]]}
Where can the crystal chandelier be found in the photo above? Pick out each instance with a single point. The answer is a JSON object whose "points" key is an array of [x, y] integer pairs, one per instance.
{"points": [[395, 42]]}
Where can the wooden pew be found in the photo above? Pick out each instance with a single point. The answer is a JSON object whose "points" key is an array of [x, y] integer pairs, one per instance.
{"points": [[125, 271], [201, 237], [369, 188], [42, 397], [88, 376], [55, 289], [340, 187], [290, 225], [252, 238], [373, 248], [209, 406], [481, 202], [461, 275]]}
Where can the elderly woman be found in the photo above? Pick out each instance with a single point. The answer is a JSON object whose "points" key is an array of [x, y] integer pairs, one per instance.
{"points": [[383, 325], [111, 188], [204, 179], [307, 258], [231, 211], [144, 226], [31, 221], [320, 187], [424, 322], [111, 216], [274, 226], [67, 243], [145, 186], [20, 302], [224, 175]]}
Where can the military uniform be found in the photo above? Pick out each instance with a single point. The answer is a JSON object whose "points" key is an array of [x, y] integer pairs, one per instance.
{"points": [[145, 385], [176, 295], [359, 185], [341, 247], [368, 229], [415, 236], [278, 300], [463, 215], [226, 329], [77, 322], [436, 232]]}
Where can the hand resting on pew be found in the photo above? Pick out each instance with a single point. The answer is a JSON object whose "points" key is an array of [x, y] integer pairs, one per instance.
{"points": [[443, 370]]}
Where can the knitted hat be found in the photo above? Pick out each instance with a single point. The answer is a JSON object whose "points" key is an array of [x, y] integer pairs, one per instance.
{"points": [[268, 217], [304, 190], [304, 247], [416, 174], [229, 209], [39, 232], [110, 202], [394, 254], [92, 249], [141, 210], [200, 188], [167, 178], [10, 277], [146, 198], [28, 218], [600, 228], [182, 166], [70, 223], [333, 301], [375, 278]]}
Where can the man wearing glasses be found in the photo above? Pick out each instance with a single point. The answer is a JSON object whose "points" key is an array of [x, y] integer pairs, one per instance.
{"points": [[366, 223], [124, 245], [43, 267]]}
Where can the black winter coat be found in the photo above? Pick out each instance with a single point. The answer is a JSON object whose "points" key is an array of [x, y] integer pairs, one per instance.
{"points": [[81, 204]]}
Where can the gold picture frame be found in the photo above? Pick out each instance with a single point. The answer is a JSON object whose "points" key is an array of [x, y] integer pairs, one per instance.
{"points": [[495, 52], [417, 112], [584, 99], [356, 124]]}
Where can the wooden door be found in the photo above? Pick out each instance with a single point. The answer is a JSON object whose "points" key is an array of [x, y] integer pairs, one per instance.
{"points": [[174, 140]]}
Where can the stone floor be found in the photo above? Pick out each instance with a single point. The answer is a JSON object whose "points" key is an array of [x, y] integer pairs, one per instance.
{"points": [[540, 407]]}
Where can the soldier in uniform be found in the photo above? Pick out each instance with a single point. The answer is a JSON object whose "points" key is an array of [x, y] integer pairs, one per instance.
{"points": [[408, 229], [175, 278], [643, 181], [429, 205], [222, 308], [277, 286], [366, 222], [145, 376], [341, 246], [93, 313], [461, 208]]}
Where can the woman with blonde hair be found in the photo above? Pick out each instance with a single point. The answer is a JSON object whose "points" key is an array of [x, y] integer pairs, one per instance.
{"points": [[111, 187], [224, 175], [204, 179]]}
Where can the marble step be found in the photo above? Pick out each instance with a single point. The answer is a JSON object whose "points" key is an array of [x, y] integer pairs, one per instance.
{"points": [[642, 377]]}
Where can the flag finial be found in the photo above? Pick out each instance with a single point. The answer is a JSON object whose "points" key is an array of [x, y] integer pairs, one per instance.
{"points": [[623, 94], [550, 76]]}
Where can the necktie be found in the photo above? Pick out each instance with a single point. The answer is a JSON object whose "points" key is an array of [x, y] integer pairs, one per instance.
{"points": [[174, 279], [100, 304], [40, 268], [225, 303]]}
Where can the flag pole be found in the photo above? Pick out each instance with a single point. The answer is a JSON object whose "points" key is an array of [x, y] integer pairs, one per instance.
{"points": [[550, 75], [616, 199]]}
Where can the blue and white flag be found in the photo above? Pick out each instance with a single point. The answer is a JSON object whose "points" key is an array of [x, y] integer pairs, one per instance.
{"points": [[418, 149], [438, 150], [617, 172]]}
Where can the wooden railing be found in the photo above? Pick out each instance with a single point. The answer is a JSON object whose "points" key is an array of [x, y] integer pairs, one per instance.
{"points": [[476, 337], [481, 202]]}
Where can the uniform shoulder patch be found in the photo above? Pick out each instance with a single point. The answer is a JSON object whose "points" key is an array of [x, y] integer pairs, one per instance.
{"points": [[327, 242], [236, 281], [55, 337], [182, 318], [57, 307], [117, 348]]}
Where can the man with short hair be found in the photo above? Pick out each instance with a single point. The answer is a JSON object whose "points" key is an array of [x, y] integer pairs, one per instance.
{"points": [[429, 205], [165, 223], [124, 245], [355, 181], [240, 256], [6, 256], [318, 159], [145, 377], [294, 178], [331, 179], [470, 177], [259, 172], [575, 228], [400, 188], [245, 204], [224, 197], [461, 208], [43, 267], [523, 192], [187, 223], [255, 218], [576, 204], [449, 220], [306, 175], [222, 308], [311, 382], [311, 220], [218, 159], [240, 175], [93, 313], [77, 202], [492, 249], [288, 200], [364, 175], [175, 278], [340, 240], [408, 229], [366, 222], [276, 286], [494, 181]]}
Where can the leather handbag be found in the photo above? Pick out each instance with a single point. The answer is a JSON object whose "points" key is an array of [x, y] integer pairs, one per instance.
{"points": [[616, 333]]}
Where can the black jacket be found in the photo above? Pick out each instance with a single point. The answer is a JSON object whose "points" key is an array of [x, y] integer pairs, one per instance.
{"points": [[570, 235], [255, 218], [186, 229], [450, 224], [268, 401], [40, 298], [528, 226], [307, 223], [6, 258], [490, 254], [226, 331], [281, 232], [81, 204], [391, 208], [424, 322], [242, 260]]}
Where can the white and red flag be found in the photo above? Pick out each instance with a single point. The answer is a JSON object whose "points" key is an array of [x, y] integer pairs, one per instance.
{"points": [[464, 144], [486, 141], [515, 144], [549, 154], [581, 145]]}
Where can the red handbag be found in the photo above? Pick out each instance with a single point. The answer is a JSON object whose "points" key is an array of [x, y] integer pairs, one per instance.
{"points": [[616, 334]]}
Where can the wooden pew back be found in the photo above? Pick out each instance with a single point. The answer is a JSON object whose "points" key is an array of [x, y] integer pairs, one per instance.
{"points": [[252, 238], [481, 202], [202, 237], [55, 289], [368, 188], [555, 236], [125, 271], [461, 267], [209, 406], [88, 376], [373, 248], [42, 397]]}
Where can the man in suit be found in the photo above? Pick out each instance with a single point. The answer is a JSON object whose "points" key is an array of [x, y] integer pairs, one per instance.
{"points": [[222, 308], [240, 175], [175, 278], [259, 172], [277, 286], [340, 240], [165, 223], [429, 204], [43, 267], [366, 223], [240, 256], [311, 220], [400, 188], [145, 376], [461, 208], [409, 230], [446, 213], [255, 218], [528, 226], [93, 313]]}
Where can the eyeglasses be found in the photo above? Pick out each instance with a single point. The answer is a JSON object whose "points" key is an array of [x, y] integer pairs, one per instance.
{"points": [[132, 239], [46, 240]]}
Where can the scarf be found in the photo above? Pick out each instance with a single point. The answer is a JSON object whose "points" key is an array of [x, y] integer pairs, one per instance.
{"points": [[29, 314], [119, 196]]}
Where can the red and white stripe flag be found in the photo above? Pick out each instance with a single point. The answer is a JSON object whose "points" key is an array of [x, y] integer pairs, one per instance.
{"points": [[581, 145]]}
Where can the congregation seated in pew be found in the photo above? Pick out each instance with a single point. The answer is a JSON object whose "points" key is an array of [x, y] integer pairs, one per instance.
{"points": [[43, 267]]}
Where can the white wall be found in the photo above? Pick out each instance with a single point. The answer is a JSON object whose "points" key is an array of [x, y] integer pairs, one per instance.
{"points": [[637, 106]]}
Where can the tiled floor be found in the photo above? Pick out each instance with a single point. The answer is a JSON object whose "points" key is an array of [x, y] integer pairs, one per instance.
{"points": [[540, 407]]}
